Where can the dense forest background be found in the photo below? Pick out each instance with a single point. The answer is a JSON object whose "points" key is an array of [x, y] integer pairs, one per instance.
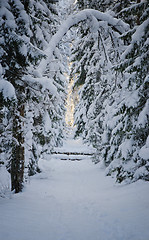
{"points": [[110, 72]]}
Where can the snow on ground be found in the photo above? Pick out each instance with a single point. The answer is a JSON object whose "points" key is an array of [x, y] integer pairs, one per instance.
{"points": [[73, 200], [75, 145]]}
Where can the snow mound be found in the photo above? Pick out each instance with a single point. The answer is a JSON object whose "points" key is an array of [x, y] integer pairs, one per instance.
{"points": [[4, 182]]}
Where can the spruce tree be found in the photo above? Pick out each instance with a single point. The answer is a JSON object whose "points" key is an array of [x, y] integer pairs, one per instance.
{"points": [[129, 137], [115, 114], [26, 29]]}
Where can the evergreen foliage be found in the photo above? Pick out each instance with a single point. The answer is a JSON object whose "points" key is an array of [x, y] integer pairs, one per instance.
{"points": [[32, 119], [110, 70], [112, 113]]}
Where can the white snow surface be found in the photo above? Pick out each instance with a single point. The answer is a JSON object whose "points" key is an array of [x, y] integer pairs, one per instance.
{"points": [[75, 145], [7, 89], [74, 200], [4, 182], [144, 151]]}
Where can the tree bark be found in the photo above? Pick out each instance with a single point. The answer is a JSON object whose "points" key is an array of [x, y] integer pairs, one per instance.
{"points": [[18, 158], [138, 15]]}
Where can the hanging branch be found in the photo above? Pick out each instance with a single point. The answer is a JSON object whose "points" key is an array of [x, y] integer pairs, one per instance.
{"points": [[102, 42]]}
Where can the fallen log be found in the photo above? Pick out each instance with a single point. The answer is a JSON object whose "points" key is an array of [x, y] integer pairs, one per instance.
{"points": [[72, 153]]}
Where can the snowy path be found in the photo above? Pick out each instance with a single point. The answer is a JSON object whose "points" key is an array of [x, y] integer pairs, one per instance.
{"points": [[73, 200]]}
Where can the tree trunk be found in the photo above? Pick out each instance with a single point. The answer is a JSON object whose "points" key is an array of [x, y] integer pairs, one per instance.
{"points": [[18, 158], [138, 15]]}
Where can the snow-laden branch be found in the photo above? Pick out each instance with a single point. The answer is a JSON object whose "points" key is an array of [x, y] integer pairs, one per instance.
{"points": [[93, 16], [7, 90]]}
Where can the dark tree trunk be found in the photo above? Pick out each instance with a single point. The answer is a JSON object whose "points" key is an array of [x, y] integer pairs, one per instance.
{"points": [[138, 15], [18, 158]]}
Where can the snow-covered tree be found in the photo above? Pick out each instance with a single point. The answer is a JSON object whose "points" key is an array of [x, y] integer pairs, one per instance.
{"points": [[7, 104], [25, 29], [112, 111], [109, 64], [127, 150], [95, 51]]}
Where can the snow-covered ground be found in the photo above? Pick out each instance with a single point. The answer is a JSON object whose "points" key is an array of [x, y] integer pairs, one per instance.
{"points": [[75, 145], [73, 200]]}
